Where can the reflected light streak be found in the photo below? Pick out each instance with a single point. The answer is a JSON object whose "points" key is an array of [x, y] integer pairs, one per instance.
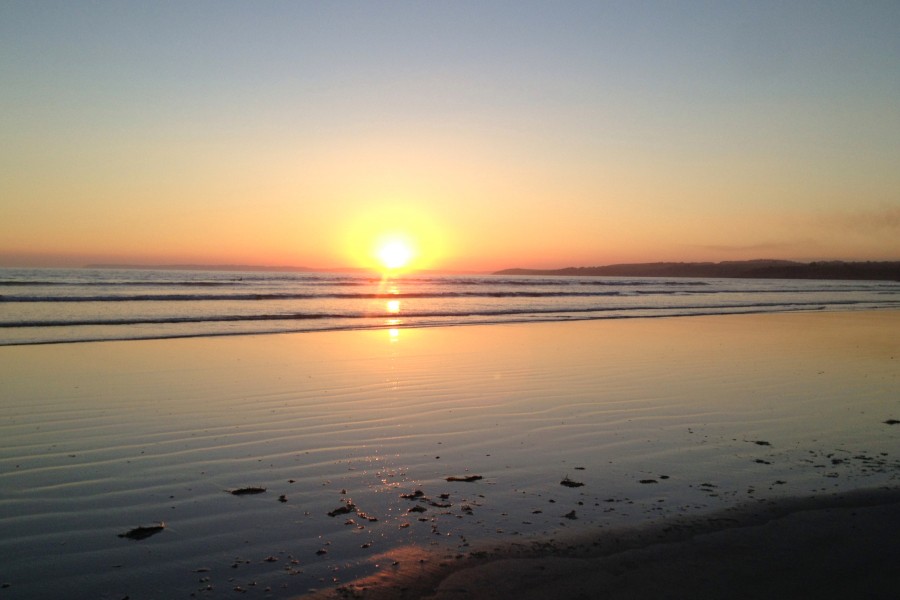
{"points": [[393, 332], [392, 307]]}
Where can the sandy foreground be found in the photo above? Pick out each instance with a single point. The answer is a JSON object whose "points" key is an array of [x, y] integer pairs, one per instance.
{"points": [[716, 457], [840, 546]]}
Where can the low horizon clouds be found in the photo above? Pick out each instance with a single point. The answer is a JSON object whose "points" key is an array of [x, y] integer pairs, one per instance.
{"points": [[864, 220]]}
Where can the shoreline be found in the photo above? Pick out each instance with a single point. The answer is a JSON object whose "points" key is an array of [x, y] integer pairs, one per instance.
{"points": [[416, 326], [835, 546]]}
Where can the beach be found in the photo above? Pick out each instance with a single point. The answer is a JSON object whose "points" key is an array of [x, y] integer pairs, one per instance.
{"points": [[837, 546], [457, 462]]}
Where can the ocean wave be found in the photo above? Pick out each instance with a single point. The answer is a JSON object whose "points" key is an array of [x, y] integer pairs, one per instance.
{"points": [[346, 280], [462, 313], [75, 305], [363, 324], [297, 296], [489, 293]]}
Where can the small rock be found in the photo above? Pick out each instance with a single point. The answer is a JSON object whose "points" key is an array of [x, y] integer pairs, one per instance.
{"points": [[569, 483], [343, 510], [465, 478], [245, 491], [140, 533]]}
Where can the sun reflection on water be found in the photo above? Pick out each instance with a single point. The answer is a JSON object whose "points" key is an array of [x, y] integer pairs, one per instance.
{"points": [[391, 307], [394, 330]]}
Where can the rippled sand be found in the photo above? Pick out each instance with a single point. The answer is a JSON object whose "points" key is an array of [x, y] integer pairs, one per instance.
{"points": [[657, 419]]}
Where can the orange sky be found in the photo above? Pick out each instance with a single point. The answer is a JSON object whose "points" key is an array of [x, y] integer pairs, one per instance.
{"points": [[489, 137]]}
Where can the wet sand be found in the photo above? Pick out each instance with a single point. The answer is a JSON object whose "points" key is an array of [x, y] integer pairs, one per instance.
{"points": [[836, 546], [664, 421], [833, 545], [844, 547]]}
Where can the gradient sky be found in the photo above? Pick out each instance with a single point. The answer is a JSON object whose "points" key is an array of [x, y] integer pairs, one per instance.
{"points": [[494, 134]]}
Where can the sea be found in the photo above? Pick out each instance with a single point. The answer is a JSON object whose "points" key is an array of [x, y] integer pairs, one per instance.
{"points": [[40, 306]]}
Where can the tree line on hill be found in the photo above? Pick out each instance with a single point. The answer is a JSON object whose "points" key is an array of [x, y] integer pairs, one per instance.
{"points": [[751, 269]]}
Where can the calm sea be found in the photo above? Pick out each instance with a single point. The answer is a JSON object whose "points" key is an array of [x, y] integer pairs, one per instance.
{"points": [[64, 305]]}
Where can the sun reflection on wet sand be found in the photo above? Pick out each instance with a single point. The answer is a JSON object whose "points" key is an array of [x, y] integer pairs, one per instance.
{"points": [[408, 570]]}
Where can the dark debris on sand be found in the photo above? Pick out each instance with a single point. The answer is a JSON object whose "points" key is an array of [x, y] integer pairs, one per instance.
{"points": [[142, 532], [350, 507], [465, 478], [246, 491], [570, 483], [343, 510]]}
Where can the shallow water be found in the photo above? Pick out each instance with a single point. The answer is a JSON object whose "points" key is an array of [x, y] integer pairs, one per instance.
{"points": [[65, 305], [103, 437]]}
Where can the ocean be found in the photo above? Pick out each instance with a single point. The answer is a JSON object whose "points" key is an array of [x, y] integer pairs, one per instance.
{"points": [[72, 305]]}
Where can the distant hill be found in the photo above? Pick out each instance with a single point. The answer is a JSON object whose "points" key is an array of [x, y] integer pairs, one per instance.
{"points": [[751, 269]]}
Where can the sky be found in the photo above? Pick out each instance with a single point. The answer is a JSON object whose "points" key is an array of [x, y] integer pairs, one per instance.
{"points": [[487, 134]]}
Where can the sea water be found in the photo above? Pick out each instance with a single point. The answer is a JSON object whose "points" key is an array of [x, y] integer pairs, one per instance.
{"points": [[67, 305]]}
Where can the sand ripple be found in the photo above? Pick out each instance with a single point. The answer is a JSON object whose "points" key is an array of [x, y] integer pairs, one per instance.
{"points": [[131, 434]]}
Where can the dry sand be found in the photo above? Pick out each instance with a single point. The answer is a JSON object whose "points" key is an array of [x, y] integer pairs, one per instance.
{"points": [[841, 546]]}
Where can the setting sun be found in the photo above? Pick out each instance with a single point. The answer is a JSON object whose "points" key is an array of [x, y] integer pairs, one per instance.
{"points": [[395, 254], [394, 236]]}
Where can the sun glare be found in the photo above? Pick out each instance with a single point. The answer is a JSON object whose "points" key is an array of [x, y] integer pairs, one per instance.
{"points": [[393, 237], [395, 254]]}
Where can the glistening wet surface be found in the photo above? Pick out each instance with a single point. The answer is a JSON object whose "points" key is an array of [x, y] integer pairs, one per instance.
{"points": [[351, 444]]}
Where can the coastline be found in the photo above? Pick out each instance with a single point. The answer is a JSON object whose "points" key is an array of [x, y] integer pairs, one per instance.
{"points": [[741, 269], [661, 421]]}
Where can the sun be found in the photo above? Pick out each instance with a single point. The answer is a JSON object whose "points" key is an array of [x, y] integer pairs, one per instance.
{"points": [[394, 253], [394, 237]]}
